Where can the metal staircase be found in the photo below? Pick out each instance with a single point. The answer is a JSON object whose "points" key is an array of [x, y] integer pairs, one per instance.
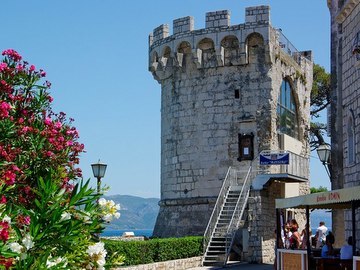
{"points": [[228, 213], [226, 217]]}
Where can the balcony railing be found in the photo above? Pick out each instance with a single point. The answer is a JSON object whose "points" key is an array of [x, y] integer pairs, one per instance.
{"points": [[286, 45]]}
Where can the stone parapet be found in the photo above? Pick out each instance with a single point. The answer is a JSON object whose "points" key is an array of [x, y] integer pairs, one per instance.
{"points": [[217, 19], [183, 25]]}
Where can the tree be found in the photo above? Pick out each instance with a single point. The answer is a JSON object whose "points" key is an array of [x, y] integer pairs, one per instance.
{"points": [[319, 189], [319, 99], [49, 217]]}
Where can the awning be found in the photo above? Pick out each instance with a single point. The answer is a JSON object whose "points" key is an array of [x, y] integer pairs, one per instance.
{"points": [[339, 198]]}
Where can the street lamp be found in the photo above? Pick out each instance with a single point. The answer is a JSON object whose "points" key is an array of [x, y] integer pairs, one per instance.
{"points": [[324, 152], [99, 172]]}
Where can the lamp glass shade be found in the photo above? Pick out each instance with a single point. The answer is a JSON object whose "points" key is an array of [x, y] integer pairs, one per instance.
{"points": [[323, 152], [98, 169]]}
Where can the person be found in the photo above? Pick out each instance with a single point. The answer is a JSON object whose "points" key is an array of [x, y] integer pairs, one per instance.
{"points": [[327, 250], [321, 234], [305, 237], [346, 251], [287, 234], [295, 236]]}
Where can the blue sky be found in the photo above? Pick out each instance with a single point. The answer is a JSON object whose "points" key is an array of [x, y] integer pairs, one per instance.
{"points": [[95, 54]]}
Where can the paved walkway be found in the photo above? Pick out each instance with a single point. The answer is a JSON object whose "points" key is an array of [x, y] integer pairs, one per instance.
{"points": [[239, 266]]}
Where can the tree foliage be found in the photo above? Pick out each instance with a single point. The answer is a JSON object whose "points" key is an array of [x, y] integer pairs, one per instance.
{"points": [[318, 189], [320, 98]]}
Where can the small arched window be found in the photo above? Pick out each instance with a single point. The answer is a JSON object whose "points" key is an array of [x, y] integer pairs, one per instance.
{"points": [[231, 50], [255, 48], [185, 49], [351, 140], [287, 119]]}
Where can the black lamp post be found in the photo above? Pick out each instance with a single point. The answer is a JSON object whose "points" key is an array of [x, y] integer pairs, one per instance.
{"points": [[99, 172], [324, 151]]}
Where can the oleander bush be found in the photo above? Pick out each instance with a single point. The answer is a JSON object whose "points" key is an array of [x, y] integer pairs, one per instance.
{"points": [[49, 217], [155, 250]]}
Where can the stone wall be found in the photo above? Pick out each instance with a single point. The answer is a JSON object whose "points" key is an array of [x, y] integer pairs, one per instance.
{"points": [[181, 264], [345, 107]]}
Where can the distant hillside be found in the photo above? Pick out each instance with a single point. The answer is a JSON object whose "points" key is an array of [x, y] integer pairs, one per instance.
{"points": [[136, 212]]}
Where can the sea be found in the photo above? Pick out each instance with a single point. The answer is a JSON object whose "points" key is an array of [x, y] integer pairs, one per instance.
{"points": [[114, 233], [319, 215], [315, 217]]}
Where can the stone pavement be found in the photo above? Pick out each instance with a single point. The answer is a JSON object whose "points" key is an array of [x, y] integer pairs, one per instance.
{"points": [[238, 266]]}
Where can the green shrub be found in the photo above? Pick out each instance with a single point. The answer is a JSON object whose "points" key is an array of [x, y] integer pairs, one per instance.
{"points": [[155, 250]]}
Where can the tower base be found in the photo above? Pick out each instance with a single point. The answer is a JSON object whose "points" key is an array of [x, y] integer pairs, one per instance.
{"points": [[183, 217]]}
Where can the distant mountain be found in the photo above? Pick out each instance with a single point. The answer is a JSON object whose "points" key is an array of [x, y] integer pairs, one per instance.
{"points": [[136, 212], [140, 214]]}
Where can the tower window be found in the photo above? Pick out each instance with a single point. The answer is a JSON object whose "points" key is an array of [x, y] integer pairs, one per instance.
{"points": [[237, 93], [287, 120]]}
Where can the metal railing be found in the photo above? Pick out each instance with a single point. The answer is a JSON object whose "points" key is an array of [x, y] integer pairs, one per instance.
{"points": [[298, 166], [286, 45], [229, 179], [238, 213]]}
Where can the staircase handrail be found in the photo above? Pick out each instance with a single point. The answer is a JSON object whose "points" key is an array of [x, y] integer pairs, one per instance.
{"points": [[237, 214], [217, 208]]}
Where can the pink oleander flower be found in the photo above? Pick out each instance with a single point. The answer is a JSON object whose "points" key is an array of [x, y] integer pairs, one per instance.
{"points": [[69, 143], [31, 68], [49, 153], [4, 230], [4, 109], [3, 66], [23, 220], [3, 199], [12, 54], [9, 177], [19, 67], [4, 234], [58, 125], [47, 121], [48, 84]]}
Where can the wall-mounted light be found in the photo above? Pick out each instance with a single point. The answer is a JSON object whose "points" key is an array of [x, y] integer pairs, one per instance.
{"points": [[324, 152]]}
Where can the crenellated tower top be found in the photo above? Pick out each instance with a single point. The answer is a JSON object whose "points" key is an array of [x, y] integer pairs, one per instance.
{"points": [[218, 44], [217, 19]]}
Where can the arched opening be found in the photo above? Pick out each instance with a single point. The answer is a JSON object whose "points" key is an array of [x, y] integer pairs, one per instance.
{"points": [[185, 49], [231, 50], [255, 48], [166, 52], [208, 55], [154, 57], [287, 111]]}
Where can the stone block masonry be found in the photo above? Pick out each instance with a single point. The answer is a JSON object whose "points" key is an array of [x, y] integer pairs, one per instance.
{"points": [[216, 83], [180, 264]]}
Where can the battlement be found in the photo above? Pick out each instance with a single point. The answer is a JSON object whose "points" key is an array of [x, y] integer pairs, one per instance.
{"points": [[218, 44], [216, 19], [257, 14]]}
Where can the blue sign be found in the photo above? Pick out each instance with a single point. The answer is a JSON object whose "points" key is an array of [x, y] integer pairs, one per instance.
{"points": [[274, 158]]}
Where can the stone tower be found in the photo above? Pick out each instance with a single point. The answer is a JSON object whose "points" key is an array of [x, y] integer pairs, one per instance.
{"points": [[227, 93]]}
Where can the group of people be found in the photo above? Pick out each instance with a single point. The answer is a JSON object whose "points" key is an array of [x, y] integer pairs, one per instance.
{"points": [[324, 240], [293, 239]]}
